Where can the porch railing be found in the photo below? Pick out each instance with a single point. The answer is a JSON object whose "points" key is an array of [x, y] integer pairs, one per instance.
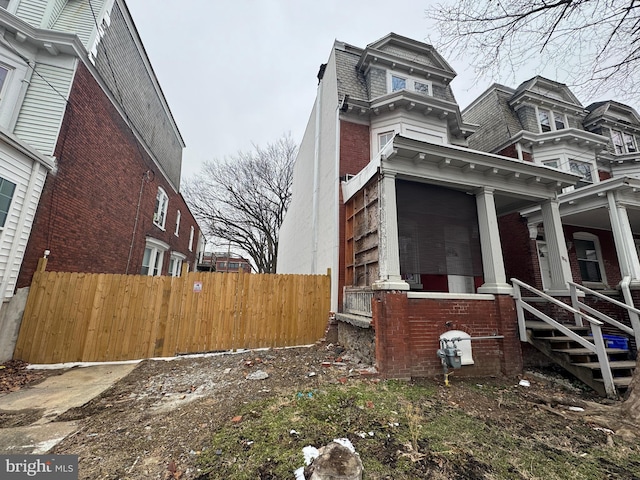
{"points": [[632, 312], [357, 301], [597, 346]]}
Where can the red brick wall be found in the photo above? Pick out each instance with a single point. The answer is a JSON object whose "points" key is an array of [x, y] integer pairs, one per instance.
{"points": [[512, 152], [518, 250], [87, 211], [609, 255], [354, 156], [355, 151], [408, 333]]}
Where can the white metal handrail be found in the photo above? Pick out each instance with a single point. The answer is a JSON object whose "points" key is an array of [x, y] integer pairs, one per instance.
{"points": [[597, 347], [633, 312]]}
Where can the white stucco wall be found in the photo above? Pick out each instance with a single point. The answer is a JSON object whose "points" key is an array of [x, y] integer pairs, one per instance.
{"points": [[308, 242]]}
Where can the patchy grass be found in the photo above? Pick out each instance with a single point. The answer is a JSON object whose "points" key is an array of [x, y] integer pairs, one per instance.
{"points": [[407, 431]]}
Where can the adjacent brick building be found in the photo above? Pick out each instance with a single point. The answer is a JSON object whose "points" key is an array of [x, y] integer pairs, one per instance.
{"points": [[91, 177]]}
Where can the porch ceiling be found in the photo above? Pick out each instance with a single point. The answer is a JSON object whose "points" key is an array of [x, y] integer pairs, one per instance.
{"points": [[588, 206]]}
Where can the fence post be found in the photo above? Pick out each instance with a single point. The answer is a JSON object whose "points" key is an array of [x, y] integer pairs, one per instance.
{"points": [[42, 264]]}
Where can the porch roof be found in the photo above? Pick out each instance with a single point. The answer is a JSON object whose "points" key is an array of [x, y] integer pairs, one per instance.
{"points": [[587, 206], [516, 184]]}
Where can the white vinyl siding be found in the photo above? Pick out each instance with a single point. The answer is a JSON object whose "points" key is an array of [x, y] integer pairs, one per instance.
{"points": [[14, 236], [77, 18], [41, 114], [32, 11], [53, 13]]}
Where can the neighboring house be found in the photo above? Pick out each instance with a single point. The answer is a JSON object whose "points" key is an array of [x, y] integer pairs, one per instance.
{"points": [[405, 213], [224, 262], [543, 123], [79, 100]]}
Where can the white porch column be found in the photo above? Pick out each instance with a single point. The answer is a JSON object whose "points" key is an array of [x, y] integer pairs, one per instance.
{"points": [[623, 239], [495, 279], [559, 267], [388, 247]]}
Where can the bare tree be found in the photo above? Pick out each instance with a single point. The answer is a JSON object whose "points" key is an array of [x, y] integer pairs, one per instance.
{"points": [[593, 45], [241, 200]]}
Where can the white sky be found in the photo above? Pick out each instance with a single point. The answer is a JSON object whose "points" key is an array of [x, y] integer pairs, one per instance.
{"points": [[242, 72]]}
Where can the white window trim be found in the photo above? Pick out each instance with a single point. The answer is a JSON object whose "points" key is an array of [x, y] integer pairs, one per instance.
{"points": [[162, 207], [596, 243], [178, 216], [176, 260], [411, 81], [622, 139], [564, 165], [191, 234], [157, 247], [552, 119]]}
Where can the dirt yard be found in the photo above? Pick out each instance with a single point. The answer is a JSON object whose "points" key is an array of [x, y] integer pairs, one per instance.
{"points": [[158, 422]]}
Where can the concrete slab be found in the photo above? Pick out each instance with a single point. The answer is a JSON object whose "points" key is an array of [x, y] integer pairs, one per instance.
{"points": [[34, 439], [73, 388], [54, 396]]}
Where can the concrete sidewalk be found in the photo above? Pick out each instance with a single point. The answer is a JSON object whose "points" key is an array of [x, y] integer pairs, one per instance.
{"points": [[54, 396]]}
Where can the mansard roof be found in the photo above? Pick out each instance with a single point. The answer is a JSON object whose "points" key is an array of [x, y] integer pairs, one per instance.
{"points": [[402, 53], [543, 91], [612, 113]]}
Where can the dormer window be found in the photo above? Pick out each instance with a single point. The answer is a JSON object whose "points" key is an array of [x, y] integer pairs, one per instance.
{"points": [[623, 142], [397, 82], [550, 120]]}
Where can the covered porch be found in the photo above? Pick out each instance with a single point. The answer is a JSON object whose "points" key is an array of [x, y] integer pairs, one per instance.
{"points": [[423, 252]]}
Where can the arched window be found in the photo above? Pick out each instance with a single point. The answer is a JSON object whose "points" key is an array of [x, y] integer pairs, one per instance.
{"points": [[160, 213]]}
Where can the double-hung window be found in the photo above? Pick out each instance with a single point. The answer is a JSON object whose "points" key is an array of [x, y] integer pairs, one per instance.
{"points": [[548, 120], [177, 232], [589, 256], [623, 142], [162, 204]]}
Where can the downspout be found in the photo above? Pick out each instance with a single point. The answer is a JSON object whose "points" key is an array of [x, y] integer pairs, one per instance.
{"points": [[633, 316]]}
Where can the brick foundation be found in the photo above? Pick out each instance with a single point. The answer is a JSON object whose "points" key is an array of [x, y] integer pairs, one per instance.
{"points": [[408, 333]]}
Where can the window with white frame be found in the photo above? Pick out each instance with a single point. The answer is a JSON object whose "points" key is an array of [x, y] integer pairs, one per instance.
{"points": [[7, 190], [384, 138], [177, 232], [175, 263], [162, 204], [397, 81], [578, 167], [191, 233], [548, 120], [584, 169], [587, 247], [153, 257], [623, 142]]}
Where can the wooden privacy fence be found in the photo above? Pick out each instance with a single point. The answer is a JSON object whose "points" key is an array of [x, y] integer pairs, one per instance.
{"points": [[103, 317]]}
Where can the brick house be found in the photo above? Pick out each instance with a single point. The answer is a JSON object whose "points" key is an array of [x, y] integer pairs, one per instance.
{"points": [[389, 195], [82, 106]]}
